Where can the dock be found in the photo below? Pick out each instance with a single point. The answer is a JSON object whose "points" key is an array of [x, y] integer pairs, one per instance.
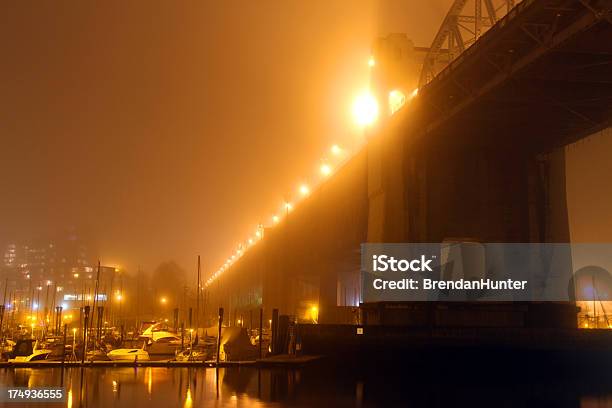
{"points": [[284, 360]]}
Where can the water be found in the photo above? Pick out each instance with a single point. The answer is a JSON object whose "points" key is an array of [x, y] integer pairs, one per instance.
{"points": [[317, 386]]}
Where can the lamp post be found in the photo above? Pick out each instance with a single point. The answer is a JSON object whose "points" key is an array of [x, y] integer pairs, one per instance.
{"points": [[190, 342], [163, 300], [119, 299]]}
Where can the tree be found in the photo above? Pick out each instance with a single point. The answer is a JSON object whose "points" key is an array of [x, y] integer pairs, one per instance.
{"points": [[168, 282]]}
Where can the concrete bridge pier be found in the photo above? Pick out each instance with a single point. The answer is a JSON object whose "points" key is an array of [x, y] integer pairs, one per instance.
{"points": [[462, 192], [434, 191]]}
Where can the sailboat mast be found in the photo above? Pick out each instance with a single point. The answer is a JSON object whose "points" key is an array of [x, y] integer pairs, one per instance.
{"points": [[198, 297]]}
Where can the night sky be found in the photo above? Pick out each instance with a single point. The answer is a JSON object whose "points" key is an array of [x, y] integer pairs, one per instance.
{"points": [[170, 129], [165, 129]]}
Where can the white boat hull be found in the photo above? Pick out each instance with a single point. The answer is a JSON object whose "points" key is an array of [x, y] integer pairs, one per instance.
{"points": [[128, 355], [37, 355]]}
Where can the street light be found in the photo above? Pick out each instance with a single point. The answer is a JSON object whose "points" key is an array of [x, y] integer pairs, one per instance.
{"points": [[325, 169], [365, 109], [304, 190], [397, 99], [163, 300], [314, 314]]}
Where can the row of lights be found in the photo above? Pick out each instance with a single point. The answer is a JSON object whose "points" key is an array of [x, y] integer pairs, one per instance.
{"points": [[303, 190], [365, 112]]}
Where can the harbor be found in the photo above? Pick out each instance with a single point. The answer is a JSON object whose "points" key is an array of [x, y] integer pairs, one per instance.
{"points": [[339, 203]]}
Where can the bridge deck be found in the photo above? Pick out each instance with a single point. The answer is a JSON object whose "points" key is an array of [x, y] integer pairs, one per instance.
{"points": [[542, 76]]}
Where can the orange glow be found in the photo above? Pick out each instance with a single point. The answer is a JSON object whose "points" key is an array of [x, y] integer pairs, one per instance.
{"points": [[365, 109], [336, 150], [314, 313], [396, 100], [275, 219], [325, 169], [188, 399], [304, 190], [371, 62]]}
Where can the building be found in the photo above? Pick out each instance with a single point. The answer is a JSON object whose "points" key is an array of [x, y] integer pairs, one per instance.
{"points": [[42, 272]]}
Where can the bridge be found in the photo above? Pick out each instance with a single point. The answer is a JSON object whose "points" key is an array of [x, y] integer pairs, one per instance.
{"points": [[474, 153]]}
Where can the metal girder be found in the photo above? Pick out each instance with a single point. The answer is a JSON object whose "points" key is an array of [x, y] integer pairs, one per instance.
{"points": [[463, 25], [511, 67], [605, 13]]}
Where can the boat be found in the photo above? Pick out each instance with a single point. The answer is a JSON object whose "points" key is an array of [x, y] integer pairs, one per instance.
{"points": [[6, 347], [166, 345], [235, 343], [128, 354], [158, 331], [97, 355], [191, 355], [37, 354]]}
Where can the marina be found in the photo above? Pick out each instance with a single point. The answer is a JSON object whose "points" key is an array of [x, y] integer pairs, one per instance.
{"points": [[339, 203]]}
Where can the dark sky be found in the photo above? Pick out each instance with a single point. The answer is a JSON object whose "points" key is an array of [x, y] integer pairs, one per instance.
{"points": [[167, 129]]}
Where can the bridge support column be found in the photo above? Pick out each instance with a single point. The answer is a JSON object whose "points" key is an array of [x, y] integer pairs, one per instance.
{"points": [[386, 189]]}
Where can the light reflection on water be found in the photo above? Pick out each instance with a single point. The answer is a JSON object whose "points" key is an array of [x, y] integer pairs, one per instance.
{"points": [[153, 387]]}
